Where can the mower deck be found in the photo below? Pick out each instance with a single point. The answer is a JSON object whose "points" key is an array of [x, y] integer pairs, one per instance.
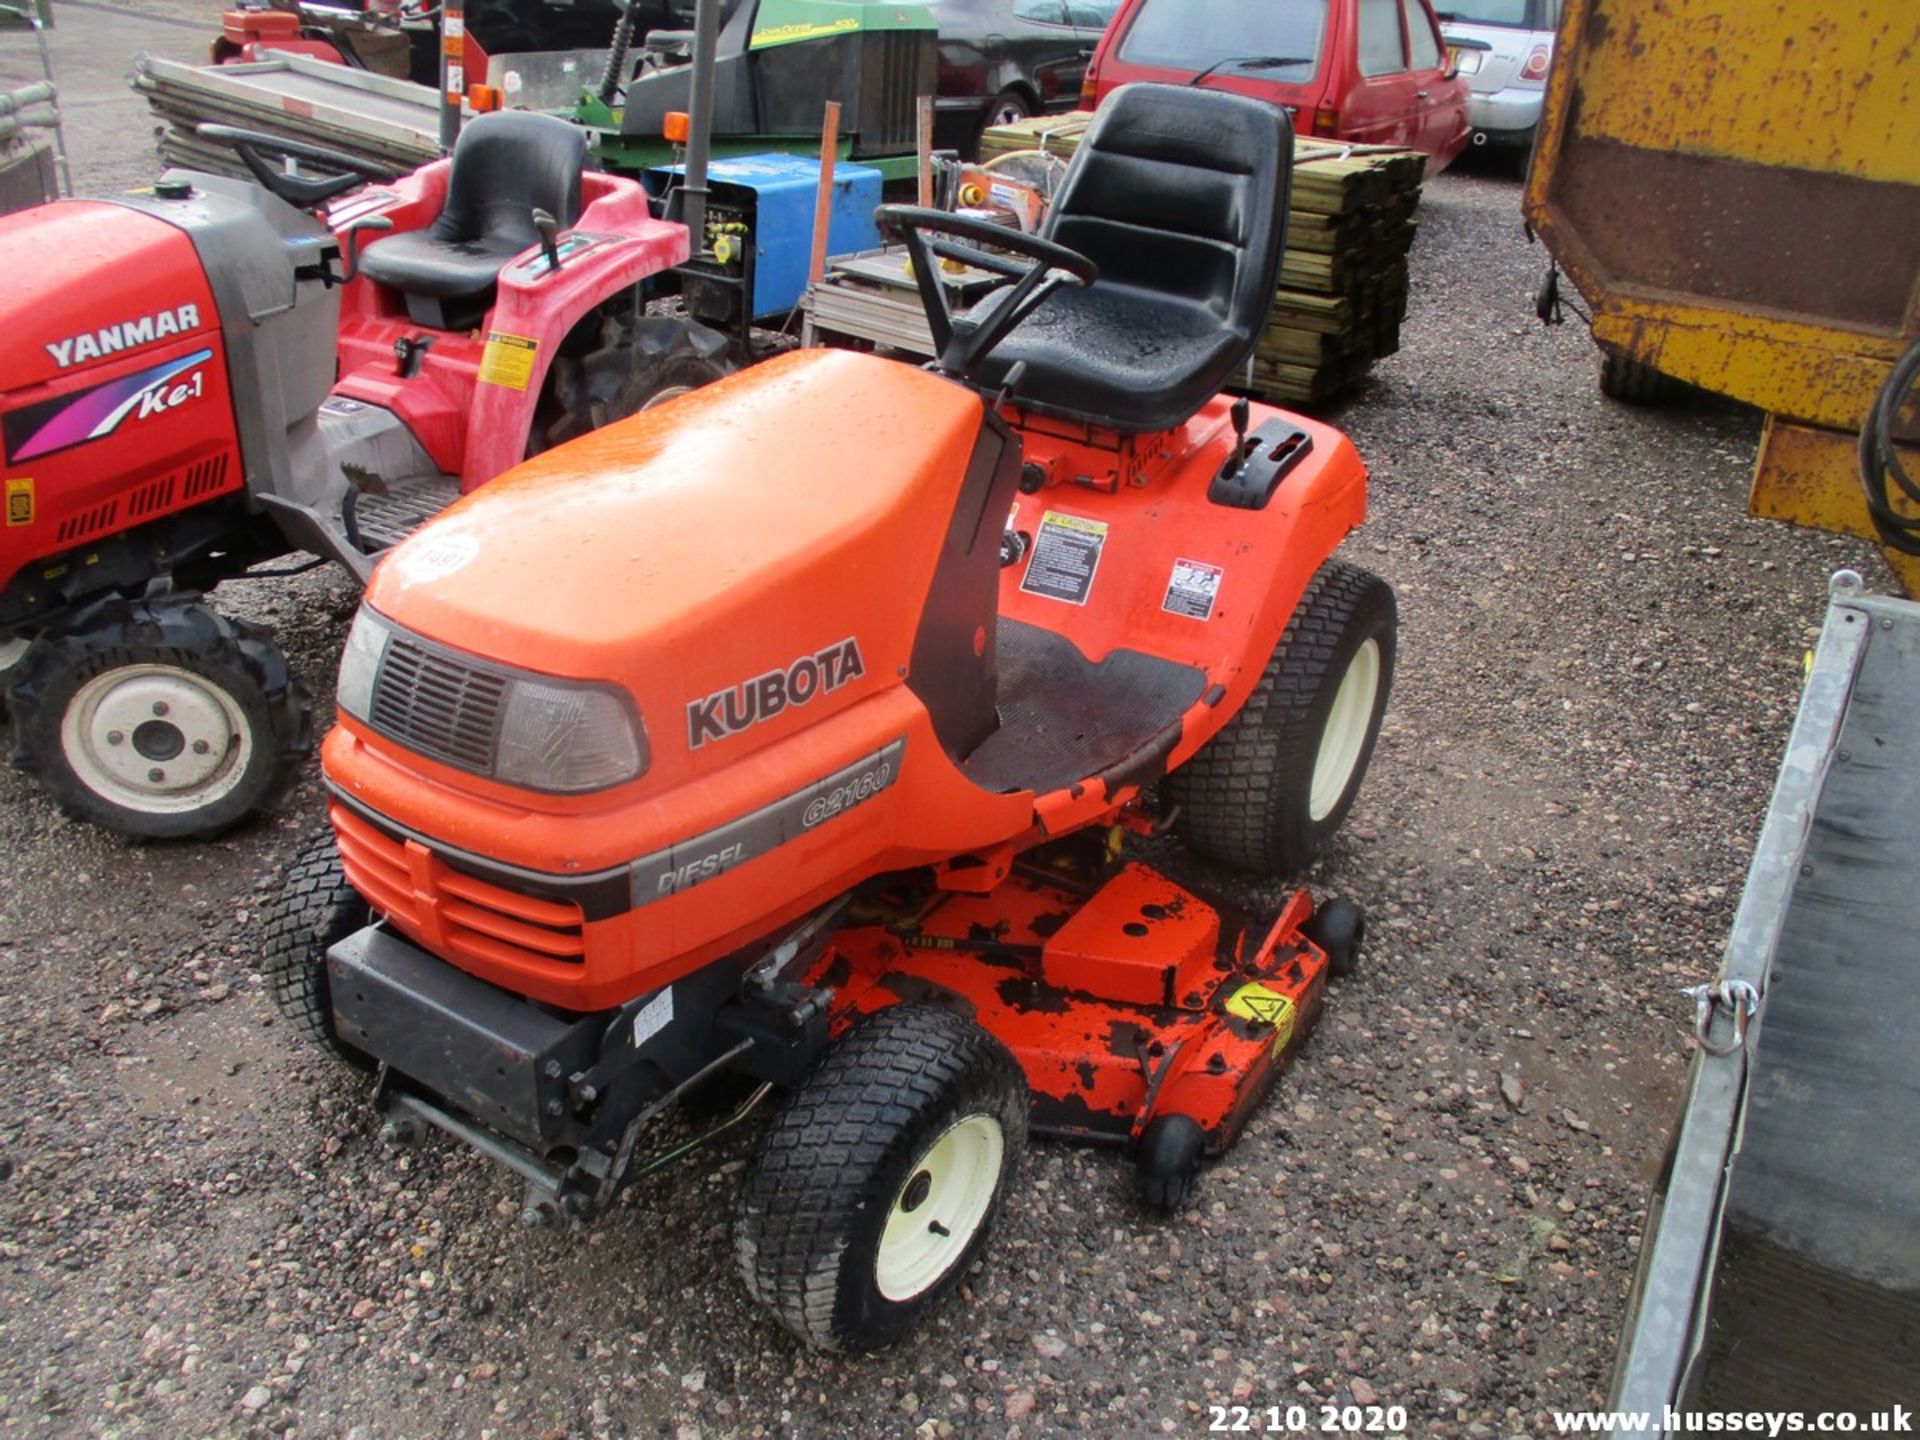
{"points": [[1123, 1001]]}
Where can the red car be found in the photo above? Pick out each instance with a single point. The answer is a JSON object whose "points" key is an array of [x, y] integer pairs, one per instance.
{"points": [[1375, 72]]}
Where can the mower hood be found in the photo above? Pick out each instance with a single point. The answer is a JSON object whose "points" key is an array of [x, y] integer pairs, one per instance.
{"points": [[782, 513]]}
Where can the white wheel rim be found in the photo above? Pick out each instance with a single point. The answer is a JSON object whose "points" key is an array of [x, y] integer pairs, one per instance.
{"points": [[940, 1207], [1009, 112], [1345, 733], [12, 652], [156, 738]]}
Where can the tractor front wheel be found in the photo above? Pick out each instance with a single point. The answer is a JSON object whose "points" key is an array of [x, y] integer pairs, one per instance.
{"points": [[158, 718], [1268, 792], [315, 910], [876, 1186]]}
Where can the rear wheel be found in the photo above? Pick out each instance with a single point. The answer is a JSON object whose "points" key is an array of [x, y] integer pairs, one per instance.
{"points": [[159, 718], [1632, 383], [1008, 108], [877, 1185], [1268, 792], [641, 362]]}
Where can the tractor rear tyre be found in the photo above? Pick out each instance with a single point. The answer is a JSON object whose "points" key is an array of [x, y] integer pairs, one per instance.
{"points": [[315, 910], [1268, 792], [641, 361], [876, 1186], [158, 718], [1632, 383]]}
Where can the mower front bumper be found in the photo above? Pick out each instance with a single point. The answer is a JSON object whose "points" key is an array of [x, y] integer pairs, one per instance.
{"points": [[562, 1099], [485, 1051]]}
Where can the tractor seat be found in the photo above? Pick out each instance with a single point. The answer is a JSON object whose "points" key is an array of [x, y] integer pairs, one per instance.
{"points": [[1180, 197], [505, 166]]}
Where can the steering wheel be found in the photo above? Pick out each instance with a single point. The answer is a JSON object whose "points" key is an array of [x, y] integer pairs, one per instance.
{"points": [[961, 343], [254, 146]]}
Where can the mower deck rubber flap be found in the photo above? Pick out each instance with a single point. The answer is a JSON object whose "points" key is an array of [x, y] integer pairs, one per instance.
{"points": [[461, 1039]]}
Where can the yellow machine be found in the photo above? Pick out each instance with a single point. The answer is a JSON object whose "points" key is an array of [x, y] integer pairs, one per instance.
{"points": [[1735, 190]]}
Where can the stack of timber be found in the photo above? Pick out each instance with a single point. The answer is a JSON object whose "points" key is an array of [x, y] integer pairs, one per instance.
{"points": [[392, 123], [1343, 280]]}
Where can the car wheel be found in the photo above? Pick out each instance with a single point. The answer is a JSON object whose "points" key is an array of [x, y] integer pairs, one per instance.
{"points": [[1008, 108]]}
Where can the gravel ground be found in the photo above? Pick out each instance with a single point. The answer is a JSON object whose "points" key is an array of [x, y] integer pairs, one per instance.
{"points": [[1439, 1208]]}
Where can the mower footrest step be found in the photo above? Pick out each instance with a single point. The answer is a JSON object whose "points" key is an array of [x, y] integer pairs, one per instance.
{"points": [[383, 521]]}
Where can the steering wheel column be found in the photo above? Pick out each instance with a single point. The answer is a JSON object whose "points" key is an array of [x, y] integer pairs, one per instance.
{"points": [[960, 343]]}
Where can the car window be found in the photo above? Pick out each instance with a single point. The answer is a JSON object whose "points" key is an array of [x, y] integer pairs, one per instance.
{"points": [[1194, 34], [1426, 49], [1383, 50], [1045, 12], [1091, 14], [1512, 14]]}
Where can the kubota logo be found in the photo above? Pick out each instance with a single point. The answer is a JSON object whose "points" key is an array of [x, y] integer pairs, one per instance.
{"points": [[728, 712]]}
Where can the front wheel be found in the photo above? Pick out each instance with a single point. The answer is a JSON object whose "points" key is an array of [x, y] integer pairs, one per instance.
{"points": [[315, 910], [877, 1185], [1268, 792], [158, 718]]}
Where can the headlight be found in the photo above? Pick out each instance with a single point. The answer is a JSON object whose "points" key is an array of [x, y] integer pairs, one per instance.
{"points": [[366, 643], [566, 737], [534, 731]]}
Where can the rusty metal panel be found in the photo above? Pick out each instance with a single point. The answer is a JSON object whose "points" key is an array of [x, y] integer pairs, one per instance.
{"points": [[1807, 476], [1830, 86], [1759, 160]]}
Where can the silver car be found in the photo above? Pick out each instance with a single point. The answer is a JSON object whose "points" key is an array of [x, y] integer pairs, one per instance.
{"points": [[1504, 48]]}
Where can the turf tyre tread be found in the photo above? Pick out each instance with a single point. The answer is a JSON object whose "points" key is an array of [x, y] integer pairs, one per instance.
{"points": [[1243, 799], [315, 909], [807, 1224]]}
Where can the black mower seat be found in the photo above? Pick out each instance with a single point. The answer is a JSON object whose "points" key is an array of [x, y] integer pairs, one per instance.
{"points": [[505, 166], [1180, 197]]}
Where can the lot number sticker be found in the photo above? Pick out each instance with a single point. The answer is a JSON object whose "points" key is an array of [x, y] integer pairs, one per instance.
{"points": [[1192, 589], [1065, 555]]}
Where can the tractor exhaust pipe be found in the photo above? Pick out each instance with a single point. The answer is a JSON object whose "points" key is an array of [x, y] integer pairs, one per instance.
{"points": [[706, 40]]}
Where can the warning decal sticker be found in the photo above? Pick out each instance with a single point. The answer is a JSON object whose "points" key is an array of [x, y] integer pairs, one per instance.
{"points": [[1267, 1007], [508, 360], [1192, 589], [1065, 555], [19, 502]]}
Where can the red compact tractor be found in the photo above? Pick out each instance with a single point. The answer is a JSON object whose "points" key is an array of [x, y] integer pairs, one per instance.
{"points": [[793, 733], [215, 373]]}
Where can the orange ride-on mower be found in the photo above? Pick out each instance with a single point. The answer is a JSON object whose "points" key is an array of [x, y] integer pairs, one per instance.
{"points": [[214, 373], [793, 731]]}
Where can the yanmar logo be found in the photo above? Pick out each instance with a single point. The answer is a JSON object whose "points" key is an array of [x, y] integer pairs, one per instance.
{"points": [[728, 712], [127, 335]]}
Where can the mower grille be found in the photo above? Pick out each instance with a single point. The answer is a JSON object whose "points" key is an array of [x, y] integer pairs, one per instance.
{"points": [[462, 918], [438, 706]]}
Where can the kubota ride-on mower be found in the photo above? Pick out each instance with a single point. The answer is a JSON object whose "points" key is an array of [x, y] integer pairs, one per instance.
{"points": [[197, 381], [792, 731]]}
